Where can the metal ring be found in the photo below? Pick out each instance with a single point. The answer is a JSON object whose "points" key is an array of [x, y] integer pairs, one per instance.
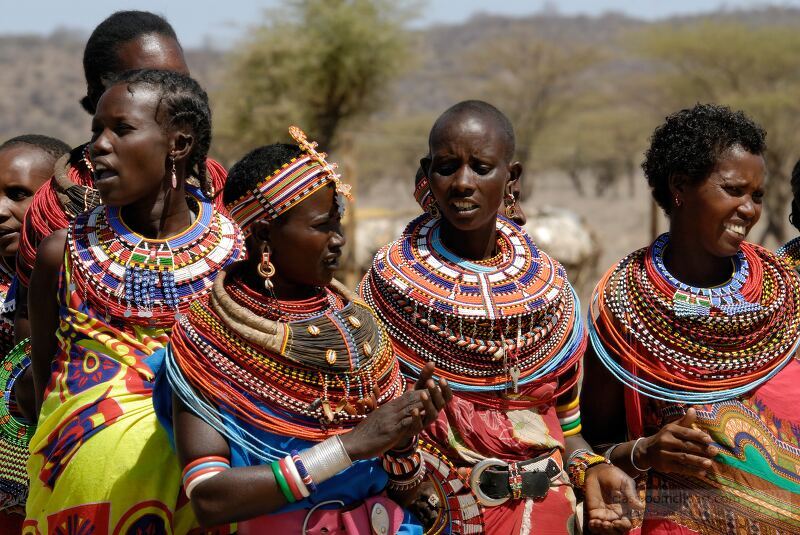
{"points": [[475, 481], [340, 503]]}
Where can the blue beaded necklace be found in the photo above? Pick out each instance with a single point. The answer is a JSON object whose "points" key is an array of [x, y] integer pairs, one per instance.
{"points": [[691, 300]]}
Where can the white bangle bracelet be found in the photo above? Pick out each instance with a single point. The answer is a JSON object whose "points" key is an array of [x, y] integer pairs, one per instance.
{"points": [[633, 450]]}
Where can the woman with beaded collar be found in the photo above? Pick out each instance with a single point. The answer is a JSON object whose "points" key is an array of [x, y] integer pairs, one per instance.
{"points": [[285, 387], [104, 295], [695, 339], [467, 289]]}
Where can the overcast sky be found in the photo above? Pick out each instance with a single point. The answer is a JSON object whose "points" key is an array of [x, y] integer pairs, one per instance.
{"points": [[223, 20]]}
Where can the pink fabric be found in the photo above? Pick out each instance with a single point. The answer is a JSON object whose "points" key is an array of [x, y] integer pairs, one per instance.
{"points": [[326, 521]]}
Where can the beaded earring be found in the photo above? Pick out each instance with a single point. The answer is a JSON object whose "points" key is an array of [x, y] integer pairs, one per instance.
{"points": [[677, 201], [174, 175], [87, 160], [266, 269]]}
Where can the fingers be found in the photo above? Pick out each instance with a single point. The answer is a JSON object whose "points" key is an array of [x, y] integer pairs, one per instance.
{"points": [[631, 496], [425, 374], [688, 419], [447, 393], [686, 463], [437, 396], [428, 405], [692, 435]]}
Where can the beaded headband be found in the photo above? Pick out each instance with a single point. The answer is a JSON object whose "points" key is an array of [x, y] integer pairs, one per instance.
{"points": [[422, 193], [289, 185]]}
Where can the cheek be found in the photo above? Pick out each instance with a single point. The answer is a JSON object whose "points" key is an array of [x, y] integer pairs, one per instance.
{"points": [[18, 208]]}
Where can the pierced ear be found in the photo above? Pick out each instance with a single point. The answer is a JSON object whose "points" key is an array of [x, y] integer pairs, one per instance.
{"points": [[677, 183], [259, 232], [425, 164], [514, 175], [181, 146]]}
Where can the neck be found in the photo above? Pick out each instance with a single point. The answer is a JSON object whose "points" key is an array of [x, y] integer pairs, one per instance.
{"points": [[282, 289], [477, 244], [691, 264], [160, 216]]}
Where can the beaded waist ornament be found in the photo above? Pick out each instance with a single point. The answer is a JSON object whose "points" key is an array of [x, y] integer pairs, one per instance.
{"points": [[494, 325], [724, 343], [309, 378], [14, 434], [143, 280]]}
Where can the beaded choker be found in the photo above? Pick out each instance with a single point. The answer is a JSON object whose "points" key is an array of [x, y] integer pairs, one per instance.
{"points": [[661, 351], [309, 378], [143, 280], [693, 301], [488, 326]]}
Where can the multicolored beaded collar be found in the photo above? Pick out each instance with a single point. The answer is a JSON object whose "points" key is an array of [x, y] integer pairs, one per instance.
{"points": [[143, 280], [790, 252], [288, 185], [308, 378], [489, 326], [716, 353]]}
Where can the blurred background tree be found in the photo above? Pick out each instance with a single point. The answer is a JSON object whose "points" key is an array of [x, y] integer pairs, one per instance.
{"points": [[320, 64], [752, 68]]}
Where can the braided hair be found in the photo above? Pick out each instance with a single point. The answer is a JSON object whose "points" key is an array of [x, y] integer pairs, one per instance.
{"points": [[51, 146], [100, 59], [181, 103]]}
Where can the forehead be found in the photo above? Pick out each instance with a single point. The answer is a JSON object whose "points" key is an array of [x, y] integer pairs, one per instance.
{"points": [[321, 202], [23, 160], [121, 100], [152, 51], [737, 163], [471, 132]]}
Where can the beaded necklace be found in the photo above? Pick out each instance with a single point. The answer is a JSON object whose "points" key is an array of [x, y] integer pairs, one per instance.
{"points": [[145, 280], [310, 377], [489, 326], [790, 252], [705, 357]]}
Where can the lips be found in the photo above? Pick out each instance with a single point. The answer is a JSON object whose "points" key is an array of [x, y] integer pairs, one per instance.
{"points": [[331, 261], [103, 171]]}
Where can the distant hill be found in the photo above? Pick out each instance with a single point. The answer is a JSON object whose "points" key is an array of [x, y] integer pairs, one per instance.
{"points": [[43, 79]]}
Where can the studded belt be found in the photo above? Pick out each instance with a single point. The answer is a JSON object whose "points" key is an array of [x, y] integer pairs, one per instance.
{"points": [[495, 481]]}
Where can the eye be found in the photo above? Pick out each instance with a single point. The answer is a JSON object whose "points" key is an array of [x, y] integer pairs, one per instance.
{"points": [[122, 128], [445, 168], [18, 194], [757, 196], [482, 169], [736, 191]]}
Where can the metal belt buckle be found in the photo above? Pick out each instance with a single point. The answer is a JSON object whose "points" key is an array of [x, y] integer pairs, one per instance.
{"points": [[475, 481]]}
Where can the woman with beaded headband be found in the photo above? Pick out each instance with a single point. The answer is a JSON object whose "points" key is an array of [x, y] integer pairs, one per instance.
{"points": [[26, 162], [104, 295], [466, 288], [124, 41], [695, 338], [286, 388]]}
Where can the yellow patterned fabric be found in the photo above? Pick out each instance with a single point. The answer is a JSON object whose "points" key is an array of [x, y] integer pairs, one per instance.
{"points": [[100, 463]]}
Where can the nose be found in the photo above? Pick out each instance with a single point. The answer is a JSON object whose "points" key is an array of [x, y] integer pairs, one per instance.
{"points": [[100, 145], [463, 180], [749, 210], [5, 208], [337, 239]]}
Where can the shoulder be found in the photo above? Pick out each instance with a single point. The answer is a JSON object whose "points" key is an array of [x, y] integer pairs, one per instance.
{"points": [[50, 253]]}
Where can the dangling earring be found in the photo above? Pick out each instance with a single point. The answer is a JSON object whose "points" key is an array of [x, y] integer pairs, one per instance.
{"points": [[511, 205], [433, 210], [174, 175], [677, 201], [266, 270]]}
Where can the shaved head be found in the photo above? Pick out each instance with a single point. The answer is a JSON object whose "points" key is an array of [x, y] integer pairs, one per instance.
{"points": [[477, 109]]}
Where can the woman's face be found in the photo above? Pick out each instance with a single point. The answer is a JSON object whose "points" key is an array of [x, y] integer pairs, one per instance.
{"points": [[469, 170], [23, 170], [129, 148], [306, 244], [721, 210]]}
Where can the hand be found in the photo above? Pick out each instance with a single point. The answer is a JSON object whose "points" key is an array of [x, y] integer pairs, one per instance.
{"points": [[391, 424], [440, 393], [422, 506], [610, 495], [677, 448]]}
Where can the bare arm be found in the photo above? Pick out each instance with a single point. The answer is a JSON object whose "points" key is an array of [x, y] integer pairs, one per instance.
{"points": [[23, 386], [43, 307]]}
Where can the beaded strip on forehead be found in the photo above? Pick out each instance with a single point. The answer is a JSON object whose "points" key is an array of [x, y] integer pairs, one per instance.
{"points": [[289, 185]]}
